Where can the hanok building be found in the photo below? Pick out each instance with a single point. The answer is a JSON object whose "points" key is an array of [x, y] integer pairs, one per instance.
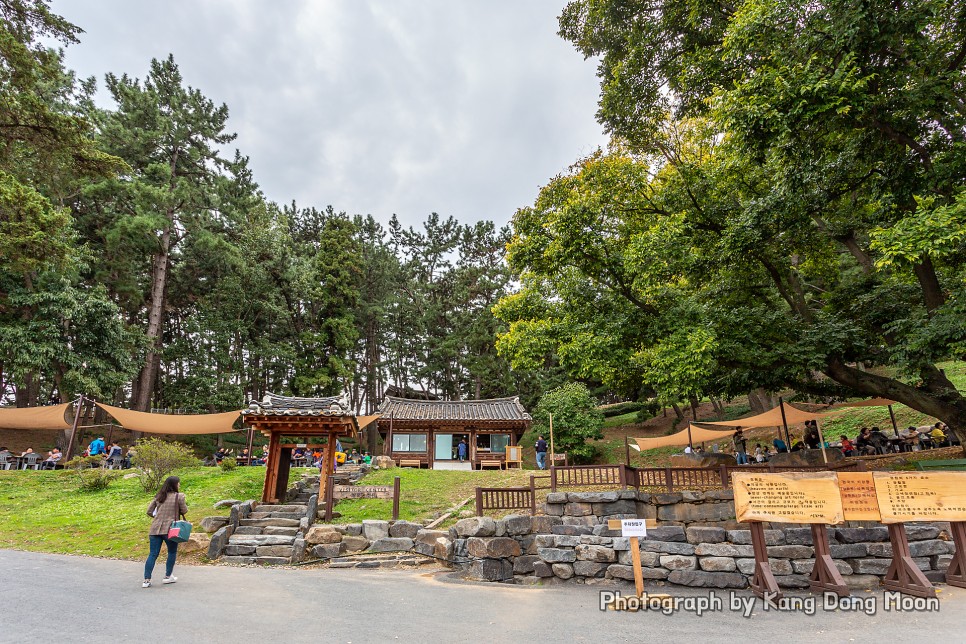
{"points": [[291, 422], [427, 433]]}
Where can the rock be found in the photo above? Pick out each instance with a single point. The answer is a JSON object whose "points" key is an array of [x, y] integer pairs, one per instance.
{"points": [[805, 566], [373, 529], [288, 532], [542, 569], [233, 517], [475, 527], [587, 521], [322, 534], [404, 529], [557, 555], [557, 497], [798, 536], [679, 562], [546, 541], [704, 459], [723, 550], [668, 547], [543, 524], [693, 512], [274, 551], [491, 570], [620, 571], [248, 529], [792, 581], [702, 579], [652, 559], [859, 535], [571, 530], [593, 497], [596, 553], [217, 543], [590, 568], [493, 547], [941, 562], [197, 542], [578, 509], [354, 529], [920, 532], [383, 462], [312, 508], [225, 503], [212, 524], [862, 582], [444, 549], [664, 498], [870, 566], [391, 544], [666, 533], [354, 543], [622, 543], [927, 548], [791, 552], [563, 570], [594, 540], [329, 550], [772, 537], [524, 564], [517, 524], [235, 551], [298, 550], [261, 540], [848, 550], [696, 535], [717, 564]]}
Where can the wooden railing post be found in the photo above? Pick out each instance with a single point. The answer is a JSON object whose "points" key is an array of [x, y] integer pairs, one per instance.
{"points": [[725, 479], [668, 479], [533, 496], [622, 476], [479, 501], [553, 478], [329, 502], [395, 499]]}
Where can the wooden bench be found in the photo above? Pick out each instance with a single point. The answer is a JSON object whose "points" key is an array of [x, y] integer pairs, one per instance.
{"points": [[410, 462], [956, 464], [491, 462]]}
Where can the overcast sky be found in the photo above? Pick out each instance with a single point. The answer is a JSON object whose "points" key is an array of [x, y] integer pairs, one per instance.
{"points": [[460, 107]]}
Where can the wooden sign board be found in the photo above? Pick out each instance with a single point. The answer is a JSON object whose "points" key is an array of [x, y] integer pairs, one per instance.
{"points": [[362, 492], [514, 453], [859, 501], [921, 496], [791, 497]]}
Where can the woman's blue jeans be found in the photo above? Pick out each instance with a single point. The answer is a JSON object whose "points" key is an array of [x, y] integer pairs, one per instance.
{"points": [[156, 541]]}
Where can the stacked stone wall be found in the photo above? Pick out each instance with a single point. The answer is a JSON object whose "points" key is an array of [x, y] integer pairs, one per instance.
{"points": [[693, 540]]}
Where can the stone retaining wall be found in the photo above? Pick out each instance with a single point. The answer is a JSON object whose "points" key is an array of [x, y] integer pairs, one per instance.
{"points": [[693, 540]]}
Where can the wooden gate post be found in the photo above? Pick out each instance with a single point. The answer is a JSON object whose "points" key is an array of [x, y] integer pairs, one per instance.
{"points": [[904, 575], [395, 499], [763, 580], [479, 501], [329, 498], [956, 574], [825, 576], [533, 496]]}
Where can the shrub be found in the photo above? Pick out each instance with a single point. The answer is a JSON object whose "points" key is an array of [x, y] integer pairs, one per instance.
{"points": [[621, 408], [96, 479], [649, 409], [155, 459], [576, 420], [228, 464]]}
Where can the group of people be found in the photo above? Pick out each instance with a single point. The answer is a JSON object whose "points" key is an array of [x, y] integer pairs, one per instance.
{"points": [[49, 463], [872, 440], [113, 454]]}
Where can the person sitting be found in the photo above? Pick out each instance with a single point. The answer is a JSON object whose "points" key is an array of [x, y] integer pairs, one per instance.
{"points": [[355, 457], [797, 445], [848, 449], [128, 457], [317, 457], [220, 454], [780, 446], [244, 458], [97, 447], [863, 442], [759, 454], [811, 437], [910, 439], [366, 458], [53, 457], [937, 436]]}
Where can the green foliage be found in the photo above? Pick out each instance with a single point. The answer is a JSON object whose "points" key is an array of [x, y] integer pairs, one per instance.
{"points": [[95, 479], [155, 459], [228, 465], [576, 420], [621, 408]]}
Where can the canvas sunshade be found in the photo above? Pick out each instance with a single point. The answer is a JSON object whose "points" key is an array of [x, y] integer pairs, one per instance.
{"points": [[51, 417], [363, 421], [680, 439], [771, 418], [140, 421]]}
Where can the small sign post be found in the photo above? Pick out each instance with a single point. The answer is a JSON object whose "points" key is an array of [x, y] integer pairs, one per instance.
{"points": [[633, 529]]}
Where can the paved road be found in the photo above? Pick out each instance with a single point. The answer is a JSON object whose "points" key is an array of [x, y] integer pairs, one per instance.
{"points": [[81, 599]]}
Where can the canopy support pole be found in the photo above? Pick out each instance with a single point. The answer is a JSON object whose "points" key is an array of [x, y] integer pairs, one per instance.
{"points": [[821, 441], [627, 452], [690, 444], [73, 430], [788, 438], [892, 417]]}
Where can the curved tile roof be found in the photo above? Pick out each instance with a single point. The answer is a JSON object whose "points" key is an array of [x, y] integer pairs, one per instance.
{"points": [[275, 405], [494, 409]]}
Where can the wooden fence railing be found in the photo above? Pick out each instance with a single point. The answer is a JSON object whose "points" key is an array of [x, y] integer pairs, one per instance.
{"points": [[507, 498], [652, 479]]}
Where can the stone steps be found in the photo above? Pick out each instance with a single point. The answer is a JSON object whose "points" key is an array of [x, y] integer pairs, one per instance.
{"points": [[273, 561], [282, 523], [261, 539]]}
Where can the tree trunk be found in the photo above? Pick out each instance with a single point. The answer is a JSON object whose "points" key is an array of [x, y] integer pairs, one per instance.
{"points": [[159, 282], [677, 411]]}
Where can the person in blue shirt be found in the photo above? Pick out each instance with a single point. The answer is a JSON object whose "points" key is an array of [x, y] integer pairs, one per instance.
{"points": [[461, 450], [780, 446], [97, 446]]}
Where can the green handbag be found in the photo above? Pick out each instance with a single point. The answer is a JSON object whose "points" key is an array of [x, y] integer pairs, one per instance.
{"points": [[179, 530]]}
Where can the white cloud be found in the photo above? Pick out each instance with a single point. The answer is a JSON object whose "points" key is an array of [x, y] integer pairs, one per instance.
{"points": [[463, 108]]}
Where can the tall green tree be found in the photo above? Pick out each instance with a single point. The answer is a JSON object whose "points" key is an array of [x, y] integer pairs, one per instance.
{"points": [[575, 417]]}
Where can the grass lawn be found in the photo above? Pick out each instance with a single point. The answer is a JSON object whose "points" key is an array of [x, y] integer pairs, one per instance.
{"points": [[45, 512], [426, 494]]}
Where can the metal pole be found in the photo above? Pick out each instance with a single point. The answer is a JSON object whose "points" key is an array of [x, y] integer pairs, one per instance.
{"points": [[251, 439], [788, 438], [690, 444], [73, 431], [892, 416], [627, 452]]}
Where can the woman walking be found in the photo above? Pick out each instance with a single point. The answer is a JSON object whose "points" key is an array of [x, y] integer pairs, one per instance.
{"points": [[167, 506]]}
